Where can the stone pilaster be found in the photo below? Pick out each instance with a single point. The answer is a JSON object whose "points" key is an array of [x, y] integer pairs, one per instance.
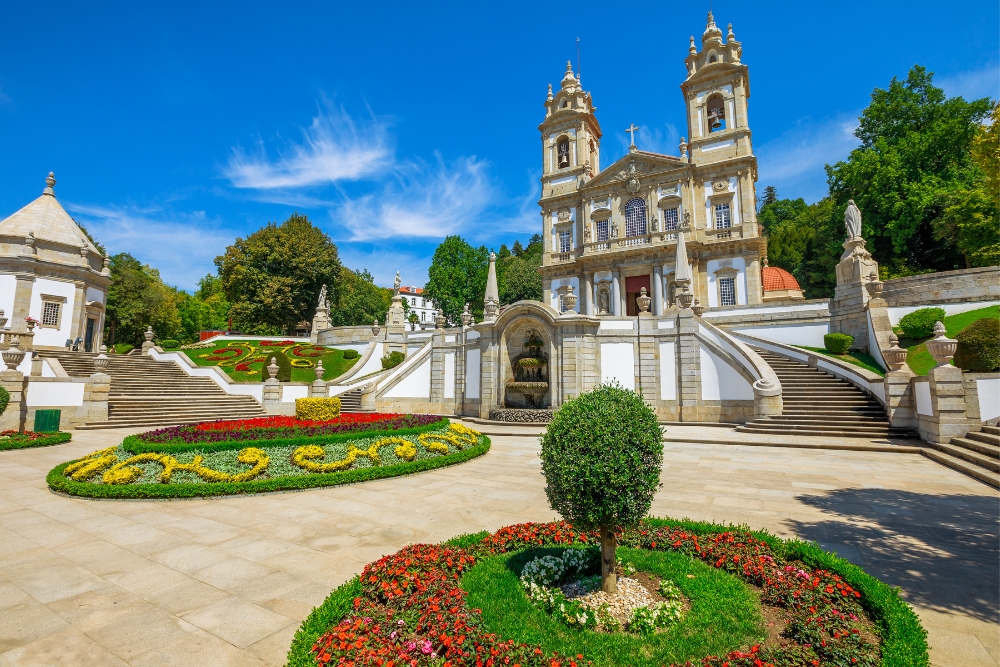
{"points": [[437, 366], [657, 290], [688, 366], [949, 419], [489, 393], [13, 417], [272, 396], [24, 282], [80, 313], [587, 281], [318, 389], [850, 299], [95, 397], [648, 371], [899, 402]]}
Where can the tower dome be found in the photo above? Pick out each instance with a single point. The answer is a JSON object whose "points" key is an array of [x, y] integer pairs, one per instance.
{"points": [[779, 284]]}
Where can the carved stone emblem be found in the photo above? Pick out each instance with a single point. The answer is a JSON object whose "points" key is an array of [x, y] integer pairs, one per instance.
{"points": [[563, 215], [720, 185], [630, 176]]}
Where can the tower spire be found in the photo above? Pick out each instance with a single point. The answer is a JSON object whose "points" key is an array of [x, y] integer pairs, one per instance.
{"points": [[491, 302]]}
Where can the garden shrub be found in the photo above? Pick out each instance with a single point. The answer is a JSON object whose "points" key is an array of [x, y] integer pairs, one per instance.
{"points": [[838, 343], [4, 399], [23, 440], [979, 346], [601, 458], [317, 409], [351, 354], [170, 344], [920, 323], [392, 360], [123, 348]]}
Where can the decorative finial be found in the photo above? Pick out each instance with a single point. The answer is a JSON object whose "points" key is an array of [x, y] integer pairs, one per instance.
{"points": [[692, 49], [50, 182], [711, 19], [730, 36], [684, 147], [549, 96], [765, 261]]}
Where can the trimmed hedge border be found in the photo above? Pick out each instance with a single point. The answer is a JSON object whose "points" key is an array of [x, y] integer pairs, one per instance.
{"points": [[135, 445], [54, 439], [903, 639], [60, 483]]}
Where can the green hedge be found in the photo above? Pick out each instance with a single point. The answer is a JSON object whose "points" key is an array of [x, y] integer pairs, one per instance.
{"points": [[838, 343], [134, 445], [920, 323], [392, 360], [978, 348], [170, 344], [351, 354], [57, 481], [4, 399], [904, 640], [24, 443]]}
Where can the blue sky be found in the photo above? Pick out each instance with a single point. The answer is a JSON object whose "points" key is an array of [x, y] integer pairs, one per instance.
{"points": [[173, 129]]}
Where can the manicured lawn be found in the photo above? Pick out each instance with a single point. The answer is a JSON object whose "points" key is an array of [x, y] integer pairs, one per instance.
{"points": [[920, 360], [244, 361], [724, 615], [857, 358]]}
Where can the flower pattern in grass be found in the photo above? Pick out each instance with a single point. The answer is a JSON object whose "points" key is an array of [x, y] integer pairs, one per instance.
{"points": [[413, 612], [272, 428]]}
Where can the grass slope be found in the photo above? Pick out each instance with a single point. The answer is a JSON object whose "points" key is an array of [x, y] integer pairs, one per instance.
{"points": [[855, 358], [724, 615], [334, 364], [920, 360]]}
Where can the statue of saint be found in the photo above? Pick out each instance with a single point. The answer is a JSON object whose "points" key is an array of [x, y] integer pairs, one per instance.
{"points": [[322, 301], [852, 220], [396, 284], [602, 301]]}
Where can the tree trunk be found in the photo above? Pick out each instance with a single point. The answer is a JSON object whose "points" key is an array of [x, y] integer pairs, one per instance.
{"points": [[609, 582]]}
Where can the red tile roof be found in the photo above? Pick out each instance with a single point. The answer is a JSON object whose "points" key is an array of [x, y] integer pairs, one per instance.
{"points": [[778, 279], [411, 290]]}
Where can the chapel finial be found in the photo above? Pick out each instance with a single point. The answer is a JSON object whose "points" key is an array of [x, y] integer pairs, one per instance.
{"points": [[549, 96], [729, 35], [712, 32], [692, 49], [50, 182]]}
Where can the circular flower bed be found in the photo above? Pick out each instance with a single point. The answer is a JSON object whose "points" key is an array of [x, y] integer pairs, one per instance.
{"points": [[268, 454], [25, 439], [446, 605]]}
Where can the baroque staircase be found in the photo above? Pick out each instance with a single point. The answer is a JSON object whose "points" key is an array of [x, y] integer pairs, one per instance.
{"points": [[146, 392], [819, 404], [977, 454]]}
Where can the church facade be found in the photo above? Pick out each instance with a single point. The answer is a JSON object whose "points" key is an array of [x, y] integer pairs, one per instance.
{"points": [[610, 233]]}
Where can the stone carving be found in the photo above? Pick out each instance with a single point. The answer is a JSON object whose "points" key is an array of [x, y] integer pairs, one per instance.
{"points": [[272, 370], [101, 362], [148, 334], [12, 357], [318, 370], [375, 327], [687, 220], [643, 301], [895, 356], [439, 319], [586, 234], [569, 299], [396, 284], [466, 317], [684, 147], [563, 215], [519, 415], [696, 307], [721, 185], [3, 320], [874, 286], [630, 176], [614, 230], [941, 347], [321, 302], [852, 220], [602, 301], [29, 243]]}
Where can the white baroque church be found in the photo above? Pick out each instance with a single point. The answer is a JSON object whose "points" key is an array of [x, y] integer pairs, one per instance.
{"points": [[612, 232]]}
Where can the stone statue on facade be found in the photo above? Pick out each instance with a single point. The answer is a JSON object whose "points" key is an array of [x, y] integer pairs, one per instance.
{"points": [[322, 302], [396, 284], [852, 220]]}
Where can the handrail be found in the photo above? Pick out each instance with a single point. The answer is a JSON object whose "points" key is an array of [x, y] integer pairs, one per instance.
{"points": [[763, 373]]}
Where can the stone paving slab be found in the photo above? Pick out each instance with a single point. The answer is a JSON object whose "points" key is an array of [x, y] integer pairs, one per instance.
{"points": [[226, 581]]}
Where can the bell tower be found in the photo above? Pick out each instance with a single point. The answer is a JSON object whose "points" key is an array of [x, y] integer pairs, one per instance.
{"points": [[571, 137], [716, 93]]}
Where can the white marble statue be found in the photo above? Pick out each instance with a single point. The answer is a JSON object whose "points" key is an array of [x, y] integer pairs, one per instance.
{"points": [[396, 284], [852, 220]]}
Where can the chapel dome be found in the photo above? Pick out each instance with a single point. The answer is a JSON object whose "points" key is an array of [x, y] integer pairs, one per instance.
{"points": [[775, 278]]}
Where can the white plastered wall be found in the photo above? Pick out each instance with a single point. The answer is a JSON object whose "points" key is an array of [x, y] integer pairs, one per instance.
{"points": [[720, 382], [668, 372], [48, 336], [810, 335], [472, 373], [618, 364], [449, 375], [740, 266], [8, 284], [417, 384]]}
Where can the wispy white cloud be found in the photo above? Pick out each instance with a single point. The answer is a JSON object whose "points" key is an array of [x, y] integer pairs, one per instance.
{"points": [[793, 162], [334, 148], [182, 246], [659, 139], [974, 84], [420, 201]]}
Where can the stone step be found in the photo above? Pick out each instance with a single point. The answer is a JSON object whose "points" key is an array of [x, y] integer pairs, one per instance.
{"points": [[832, 419], [963, 466], [984, 436], [981, 448], [992, 430], [760, 426]]}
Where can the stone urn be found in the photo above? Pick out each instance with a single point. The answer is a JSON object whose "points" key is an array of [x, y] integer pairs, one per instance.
{"points": [[30, 323], [3, 319], [101, 361], [375, 328], [874, 286], [467, 318], [697, 308], [319, 370], [569, 300], [272, 370], [13, 357], [941, 347], [895, 356], [643, 300], [685, 298], [439, 319], [148, 334]]}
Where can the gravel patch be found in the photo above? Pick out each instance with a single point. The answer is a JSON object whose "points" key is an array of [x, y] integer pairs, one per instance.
{"points": [[630, 596]]}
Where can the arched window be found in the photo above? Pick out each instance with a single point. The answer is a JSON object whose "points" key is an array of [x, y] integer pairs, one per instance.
{"points": [[635, 217], [716, 109], [562, 150]]}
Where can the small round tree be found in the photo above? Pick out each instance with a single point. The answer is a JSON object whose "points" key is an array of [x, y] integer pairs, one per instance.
{"points": [[601, 458]]}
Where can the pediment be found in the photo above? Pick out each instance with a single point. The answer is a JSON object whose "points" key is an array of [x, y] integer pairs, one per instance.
{"points": [[634, 169]]}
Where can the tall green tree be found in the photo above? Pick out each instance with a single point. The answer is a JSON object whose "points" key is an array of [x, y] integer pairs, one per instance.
{"points": [[359, 300], [137, 298], [517, 274], [205, 309], [457, 276], [915, 160], [770, 196], [272, 277]]}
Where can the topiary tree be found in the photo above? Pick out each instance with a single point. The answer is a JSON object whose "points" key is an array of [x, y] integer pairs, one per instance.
{"points": [[601, 457], [920, 323], [978, 346], [838, 343], [4, 399], [392, 360]]}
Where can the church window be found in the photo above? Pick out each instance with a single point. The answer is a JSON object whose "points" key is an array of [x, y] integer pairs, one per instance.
{"points": [[727, 291], [635, 217], [723, 216], [562, 149], [716, 113], [602, 230], [670, 219], [50, 314], [565, 241]]}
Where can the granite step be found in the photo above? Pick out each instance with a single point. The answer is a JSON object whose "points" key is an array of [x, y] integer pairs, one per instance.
{"points": [[957, 450], [963, 466], [984, 436], [991, 430]]}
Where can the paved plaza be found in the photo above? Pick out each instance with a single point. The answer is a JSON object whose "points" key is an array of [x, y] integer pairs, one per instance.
{"points": [[227, 581]]}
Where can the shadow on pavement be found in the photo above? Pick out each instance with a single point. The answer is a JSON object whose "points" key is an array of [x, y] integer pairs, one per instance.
{"points": [[943, 551]]}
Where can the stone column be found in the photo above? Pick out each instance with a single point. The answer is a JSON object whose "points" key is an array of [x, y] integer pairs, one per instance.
{"points": [[616, 293], [13, 418], [689, 367], [658, 290], [79, 327], [649, 359], [588, 293]]}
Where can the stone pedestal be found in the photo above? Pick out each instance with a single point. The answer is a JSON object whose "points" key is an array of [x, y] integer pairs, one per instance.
{"points": [[767, 401], [320, 322], [689, 367], [95, 397], [949, 419], [899, 402], [318, 389], [13, 417], [272, 396], [850, 299]]}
